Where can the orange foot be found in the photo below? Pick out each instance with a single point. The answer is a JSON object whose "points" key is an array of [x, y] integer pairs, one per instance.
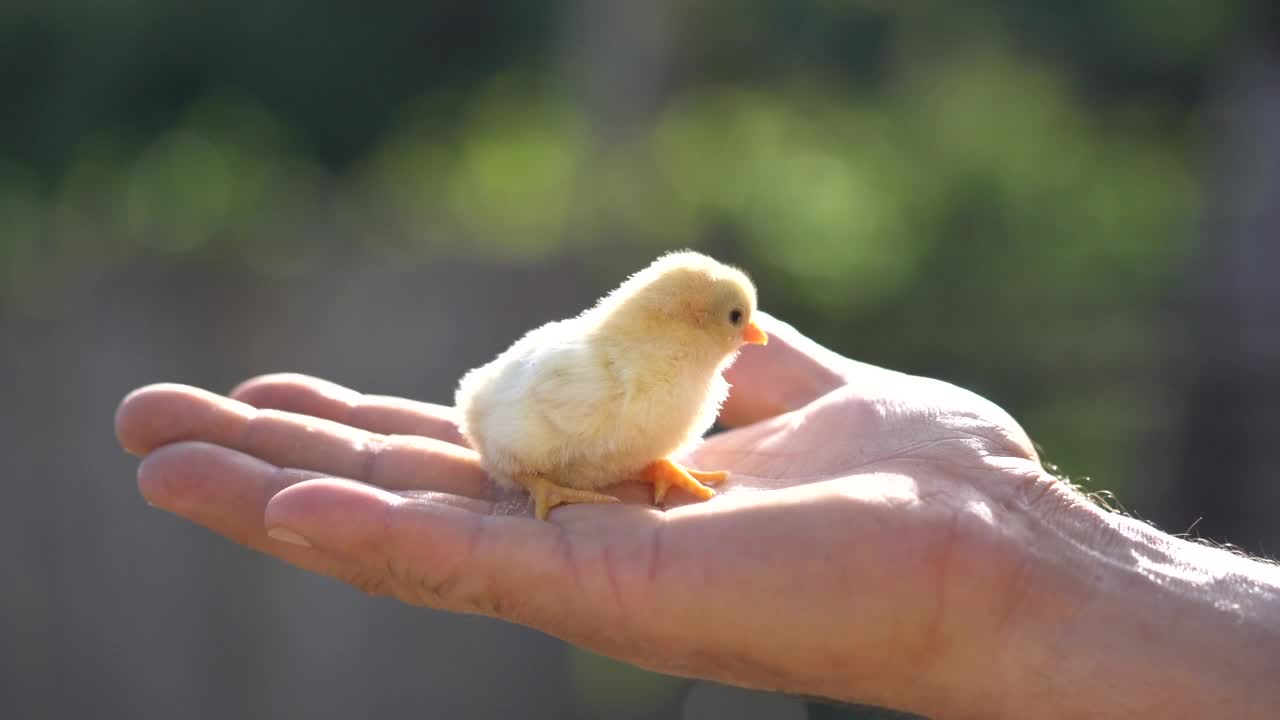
{"points": [[666, 474], [547, 495]]}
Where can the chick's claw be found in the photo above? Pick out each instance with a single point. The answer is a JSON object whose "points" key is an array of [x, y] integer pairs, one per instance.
{"points": [[547, 495], [666, 474]]}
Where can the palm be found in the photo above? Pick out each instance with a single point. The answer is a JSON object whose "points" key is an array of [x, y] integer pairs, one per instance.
{"points": [[850, 508]]}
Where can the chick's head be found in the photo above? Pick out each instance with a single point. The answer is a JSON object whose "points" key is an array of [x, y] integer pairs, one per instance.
{"points": [[694, 297]]}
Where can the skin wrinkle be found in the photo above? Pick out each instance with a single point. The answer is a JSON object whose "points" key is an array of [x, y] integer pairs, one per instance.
{"points": [[373, 584], [954, 524], [610, 573], [269, 390], [492, 599], [420, 586], [766, 465], [248, 431], [1051, 649], [1001, 441], [348, 401], [940, 565], [214, 413], [655, 550], [279, 478], [262, 422], [441, 583], [371, 452], [351, 404], [902, 453], [948, 573], [1016, 599], [899, 451], [1008, 620], [564, 549], [604, 569], [1025, 495], [943, 571], [880, 671], [1028, 493], [1069, 629], [741, 669], [415, 586]]}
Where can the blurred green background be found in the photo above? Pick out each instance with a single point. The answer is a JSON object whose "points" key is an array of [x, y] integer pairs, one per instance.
{"points": [[1064, 206]]}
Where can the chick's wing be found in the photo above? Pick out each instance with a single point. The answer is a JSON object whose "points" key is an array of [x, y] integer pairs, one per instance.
{"points": [[576, 389]]}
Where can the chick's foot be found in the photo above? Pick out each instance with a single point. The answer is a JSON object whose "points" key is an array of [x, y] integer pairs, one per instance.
{"points": [[666, 474], [547, 495]]}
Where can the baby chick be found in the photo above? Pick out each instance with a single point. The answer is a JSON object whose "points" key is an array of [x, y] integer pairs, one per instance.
{"points": [[613, 393]]}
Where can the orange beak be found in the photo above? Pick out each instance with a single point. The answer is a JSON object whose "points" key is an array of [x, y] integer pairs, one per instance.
{"points": [[754, 335]]}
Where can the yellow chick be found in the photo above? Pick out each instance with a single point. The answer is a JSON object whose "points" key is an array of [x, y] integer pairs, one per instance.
{"points": [[612, 394]]}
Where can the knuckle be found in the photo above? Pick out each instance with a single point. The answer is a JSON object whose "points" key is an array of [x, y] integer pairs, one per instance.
{"points": [[444, 591]]}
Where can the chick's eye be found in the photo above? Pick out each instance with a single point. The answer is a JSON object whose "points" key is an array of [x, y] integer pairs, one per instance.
{"points": [[735, 316]]}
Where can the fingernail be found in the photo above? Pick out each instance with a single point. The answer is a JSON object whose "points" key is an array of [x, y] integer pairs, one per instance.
{"points": [[288, 536]]}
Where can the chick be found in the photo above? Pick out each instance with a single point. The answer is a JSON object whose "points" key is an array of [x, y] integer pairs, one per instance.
{"points": [[614, 393]]}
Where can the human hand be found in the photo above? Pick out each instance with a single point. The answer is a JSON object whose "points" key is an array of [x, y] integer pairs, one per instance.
{"points": [[882, 538]]}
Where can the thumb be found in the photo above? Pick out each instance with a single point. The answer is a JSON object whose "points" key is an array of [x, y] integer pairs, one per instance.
{"points": [[788, 373]]}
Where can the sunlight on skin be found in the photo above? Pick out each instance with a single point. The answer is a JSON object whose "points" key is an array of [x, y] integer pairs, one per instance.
{"points": [[881, 538]]}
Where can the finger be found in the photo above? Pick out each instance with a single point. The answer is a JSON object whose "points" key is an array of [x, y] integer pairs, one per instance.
{"points": [[158, 414], [788, 373], [377, 413], [537, 573], [221, 489], [161, 414], [227, 492]]}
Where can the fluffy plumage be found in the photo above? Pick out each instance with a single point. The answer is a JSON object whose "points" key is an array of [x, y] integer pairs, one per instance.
{"points": [[593, 400]]}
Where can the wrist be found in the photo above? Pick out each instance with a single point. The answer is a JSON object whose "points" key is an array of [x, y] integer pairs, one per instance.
{"points": [[1126, 621]]}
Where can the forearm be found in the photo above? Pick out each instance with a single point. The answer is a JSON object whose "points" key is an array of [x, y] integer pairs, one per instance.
{"points": [[1148, 625]]}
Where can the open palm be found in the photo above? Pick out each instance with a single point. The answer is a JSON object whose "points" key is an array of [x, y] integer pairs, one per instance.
{"points": [[869, 543]]}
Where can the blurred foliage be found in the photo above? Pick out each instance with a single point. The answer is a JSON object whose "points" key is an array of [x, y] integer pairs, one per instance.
{"points": [[1000, 194]]}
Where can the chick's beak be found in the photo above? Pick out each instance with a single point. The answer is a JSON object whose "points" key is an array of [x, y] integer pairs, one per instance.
{"points": [[754, 335]]}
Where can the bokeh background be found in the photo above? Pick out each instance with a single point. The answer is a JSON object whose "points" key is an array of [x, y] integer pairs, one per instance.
{"points": [[1069, 207]]}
